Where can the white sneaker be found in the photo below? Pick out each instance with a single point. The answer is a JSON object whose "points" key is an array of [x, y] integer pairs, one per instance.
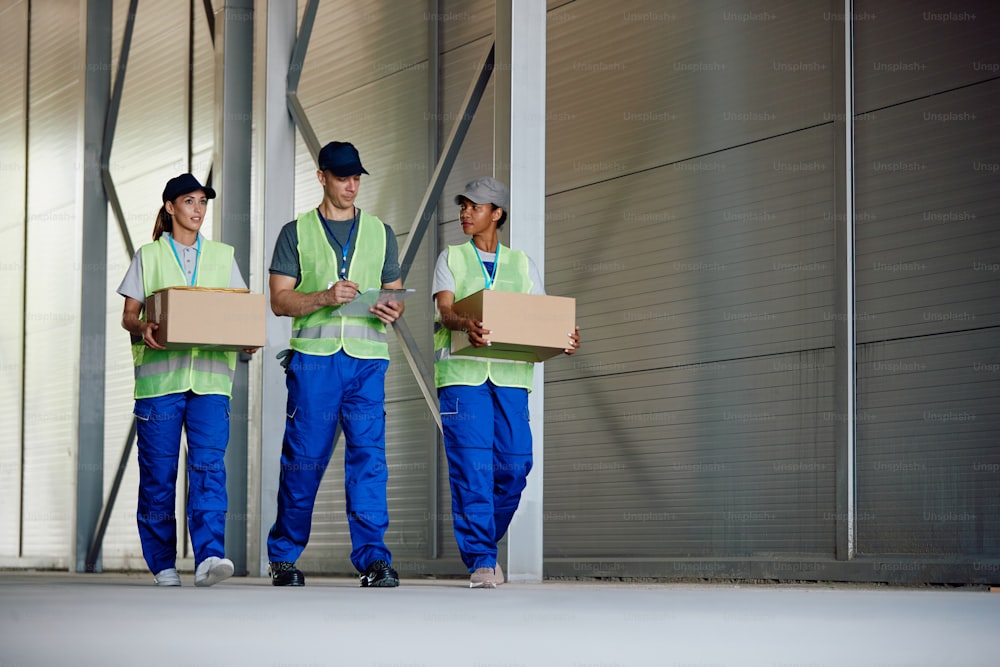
{"points": [[483, 577], [498, 575], [212, 570], [168, 577]]}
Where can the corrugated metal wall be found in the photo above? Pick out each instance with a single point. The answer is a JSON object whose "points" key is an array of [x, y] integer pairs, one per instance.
{"points": [[690, 214], [13, 176], [52, 249]]}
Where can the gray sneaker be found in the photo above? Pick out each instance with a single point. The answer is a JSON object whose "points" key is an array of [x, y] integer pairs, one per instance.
{"points": [[498, 575], [212, 570], [483, 577], [168, 577]]}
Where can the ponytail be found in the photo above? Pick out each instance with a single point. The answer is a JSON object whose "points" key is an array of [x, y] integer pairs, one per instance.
{"points": [[164, 223]]}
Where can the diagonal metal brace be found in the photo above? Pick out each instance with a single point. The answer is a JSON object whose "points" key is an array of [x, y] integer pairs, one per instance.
{"points": [[295, 73]]}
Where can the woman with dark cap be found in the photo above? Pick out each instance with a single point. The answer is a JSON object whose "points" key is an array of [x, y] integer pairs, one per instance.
{"points": [[483, 402], [177, 389]]}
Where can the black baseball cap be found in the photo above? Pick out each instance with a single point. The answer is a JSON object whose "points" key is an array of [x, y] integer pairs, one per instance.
{"points": [[183, 184], [341, 158]]}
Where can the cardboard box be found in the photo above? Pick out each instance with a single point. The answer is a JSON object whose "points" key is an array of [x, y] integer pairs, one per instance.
{"points": [[215, 319], [525, 327]]}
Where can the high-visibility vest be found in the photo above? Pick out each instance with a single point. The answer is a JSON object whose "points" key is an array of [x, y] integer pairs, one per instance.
{"points": [[510, 276], [325, 332], [162, 372]]}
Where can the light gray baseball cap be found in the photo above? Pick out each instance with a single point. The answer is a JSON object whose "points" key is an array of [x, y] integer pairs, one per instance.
{"points": [[486, 190]]}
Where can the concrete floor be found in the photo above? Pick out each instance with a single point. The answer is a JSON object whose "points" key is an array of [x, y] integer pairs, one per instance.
{"points": [[122, 619]]}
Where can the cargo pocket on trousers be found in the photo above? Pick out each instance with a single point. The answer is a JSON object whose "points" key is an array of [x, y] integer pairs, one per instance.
{"points": [[142, 413], [448, 407]]}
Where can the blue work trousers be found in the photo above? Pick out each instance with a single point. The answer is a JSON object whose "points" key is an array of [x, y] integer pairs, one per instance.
{"points": [[205, 418], [322, 391], [487, 437]]}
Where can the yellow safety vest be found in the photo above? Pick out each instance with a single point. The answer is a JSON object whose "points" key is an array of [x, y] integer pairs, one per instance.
{"points": [[325, 332], [511, 276], [162, 372]]}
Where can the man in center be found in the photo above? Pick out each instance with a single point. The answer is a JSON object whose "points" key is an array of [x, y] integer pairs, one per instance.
{"points": [[335, 370]]}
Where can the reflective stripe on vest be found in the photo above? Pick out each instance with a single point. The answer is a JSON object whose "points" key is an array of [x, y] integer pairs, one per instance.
{"points": [[511, 276], [162, 372], [324, 332], [348, 330]]}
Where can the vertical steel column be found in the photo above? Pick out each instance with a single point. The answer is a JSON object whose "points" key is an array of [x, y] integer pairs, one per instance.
{"points": [[845, 382], [275, 207], [231, 167], [433, 148], [519, 160], [93, 292]]}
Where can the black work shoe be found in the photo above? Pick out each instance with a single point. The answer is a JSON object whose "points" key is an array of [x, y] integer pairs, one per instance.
{"points": [[286, 574], [380, 575]]}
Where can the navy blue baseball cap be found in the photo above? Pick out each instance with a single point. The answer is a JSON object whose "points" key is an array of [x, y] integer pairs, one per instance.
{"points": [[341, 158], [183, 184]]}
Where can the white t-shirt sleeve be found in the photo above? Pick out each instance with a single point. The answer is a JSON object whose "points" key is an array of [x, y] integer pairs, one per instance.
{"points": [[443, 280], [131, 285], [537, 286]]}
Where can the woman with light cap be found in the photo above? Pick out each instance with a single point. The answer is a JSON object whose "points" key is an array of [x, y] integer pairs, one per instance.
{"points": [[483, 402], [177, 389]]}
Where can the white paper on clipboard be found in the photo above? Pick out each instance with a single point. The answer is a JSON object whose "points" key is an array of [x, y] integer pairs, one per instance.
{"points": [[361, 304]]}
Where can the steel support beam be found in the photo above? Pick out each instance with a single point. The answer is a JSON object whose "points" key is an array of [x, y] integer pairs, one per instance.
{"points": [[275, 207], [110, 123], [845, 373], [519, 160], [437, 442], [231, 169], [93, 292]]}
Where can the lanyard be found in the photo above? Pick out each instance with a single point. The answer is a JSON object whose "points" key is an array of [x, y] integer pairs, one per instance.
{"points": [[489, 278], [345, 248], [197, 257]]}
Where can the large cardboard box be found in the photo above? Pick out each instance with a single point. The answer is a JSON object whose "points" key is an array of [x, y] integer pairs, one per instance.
{"points": [[215, 319], [525, 327]]}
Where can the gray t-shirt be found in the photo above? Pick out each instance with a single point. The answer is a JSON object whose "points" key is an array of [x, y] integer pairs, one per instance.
{"points": [[131, 285], [285, 260], [445, 281]]}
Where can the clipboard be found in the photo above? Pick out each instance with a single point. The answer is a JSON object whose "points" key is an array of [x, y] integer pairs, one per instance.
{"points": [[361, 304]]}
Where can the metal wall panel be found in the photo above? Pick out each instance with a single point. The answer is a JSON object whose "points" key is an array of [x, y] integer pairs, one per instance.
{"points": [[725, 459], [928, 460], [52, 305], [636, 87], [906, 50], [708, 259], [13, 80], [927, 199]]}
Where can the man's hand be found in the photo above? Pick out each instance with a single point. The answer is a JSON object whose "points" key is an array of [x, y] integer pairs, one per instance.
{"points": [[341, 292], [388, 311]]}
